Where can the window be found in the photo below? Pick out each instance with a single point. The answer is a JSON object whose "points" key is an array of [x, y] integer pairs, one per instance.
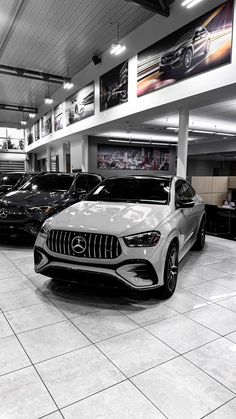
{"points": [[137, 189], [93, 181], [81, 182]]}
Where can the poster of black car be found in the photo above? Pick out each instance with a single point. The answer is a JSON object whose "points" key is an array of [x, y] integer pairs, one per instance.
{"points": [[117, 157], [114, 87], [58, 117], [46, 124], [199, 46], [80, 105]]}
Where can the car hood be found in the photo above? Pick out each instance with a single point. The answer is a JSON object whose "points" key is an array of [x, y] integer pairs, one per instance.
{"points": [[119, 218], [31, 199]]}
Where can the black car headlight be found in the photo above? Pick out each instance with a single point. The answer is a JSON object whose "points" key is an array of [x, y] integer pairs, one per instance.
{"points": [[44, 230], [148, 239], [179, 52]]}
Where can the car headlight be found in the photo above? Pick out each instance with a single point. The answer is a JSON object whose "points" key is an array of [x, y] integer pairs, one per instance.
{"points": [[44, 230], [149, 239], [179, 52], [43, 209]]}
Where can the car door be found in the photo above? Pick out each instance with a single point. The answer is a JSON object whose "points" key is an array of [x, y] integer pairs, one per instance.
{"points": [[188, 218]]}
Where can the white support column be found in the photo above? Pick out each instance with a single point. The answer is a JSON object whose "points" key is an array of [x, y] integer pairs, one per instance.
{"points": [[183, 142], [48, 158], [84, 151]]}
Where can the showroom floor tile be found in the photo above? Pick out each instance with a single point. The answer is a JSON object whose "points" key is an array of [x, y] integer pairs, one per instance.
{"points": [[72, 352]]}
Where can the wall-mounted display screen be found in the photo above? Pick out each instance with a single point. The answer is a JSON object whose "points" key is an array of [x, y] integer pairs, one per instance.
{"points": [[80, 105], [116, 157], [114, 87], [202, 45], [46, 124], [58, 117]]}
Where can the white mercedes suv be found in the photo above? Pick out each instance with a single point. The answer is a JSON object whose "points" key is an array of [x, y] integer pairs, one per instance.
{"points": [[134, 229]]}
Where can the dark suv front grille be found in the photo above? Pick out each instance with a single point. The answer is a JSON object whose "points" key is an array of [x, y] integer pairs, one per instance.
{"points": [[89, 245]]}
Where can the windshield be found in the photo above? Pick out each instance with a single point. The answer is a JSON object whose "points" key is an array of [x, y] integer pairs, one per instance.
{"points": [[9, 179], [140, 189], [48, 183]]}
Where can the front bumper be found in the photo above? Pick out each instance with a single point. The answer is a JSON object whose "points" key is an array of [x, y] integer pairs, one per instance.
{"points": [[135, 273]]}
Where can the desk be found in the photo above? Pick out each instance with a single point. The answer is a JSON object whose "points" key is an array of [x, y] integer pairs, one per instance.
{"points": [[228, 213]]}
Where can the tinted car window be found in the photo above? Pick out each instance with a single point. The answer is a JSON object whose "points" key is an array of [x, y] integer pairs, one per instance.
{"points": [[184, 190], [48, 183], [8, 179], [136, 189], [93, 181], [81, 182]]}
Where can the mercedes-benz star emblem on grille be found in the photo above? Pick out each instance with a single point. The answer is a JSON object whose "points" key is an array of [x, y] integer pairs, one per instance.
{"points": [[3, 213], [78, 244]]}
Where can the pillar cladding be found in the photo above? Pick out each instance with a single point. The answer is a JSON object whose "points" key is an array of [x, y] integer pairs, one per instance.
{"points": [[84, 150], [183, 142], [48, 161]]}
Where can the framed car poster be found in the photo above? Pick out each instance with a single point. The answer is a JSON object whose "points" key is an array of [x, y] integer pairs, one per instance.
{"points": [[80, 105], [46, 124], [114, 87], [58, 117], [202, 45]]}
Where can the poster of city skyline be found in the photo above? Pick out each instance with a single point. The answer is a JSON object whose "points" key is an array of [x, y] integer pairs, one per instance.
{"points": [[116, 157]]}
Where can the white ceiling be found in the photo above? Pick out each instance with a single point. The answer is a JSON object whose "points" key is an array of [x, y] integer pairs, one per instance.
{"points": [[53, 36]]}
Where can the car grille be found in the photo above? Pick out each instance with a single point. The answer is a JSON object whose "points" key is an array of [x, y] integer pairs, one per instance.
{"points": [[89, 245]]}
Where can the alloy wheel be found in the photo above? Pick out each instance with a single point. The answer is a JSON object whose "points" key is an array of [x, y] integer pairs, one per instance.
{"points": [[172, 269]]}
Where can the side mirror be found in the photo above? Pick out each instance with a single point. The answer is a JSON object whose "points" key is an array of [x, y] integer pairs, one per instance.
{"points": [[182, 203]]}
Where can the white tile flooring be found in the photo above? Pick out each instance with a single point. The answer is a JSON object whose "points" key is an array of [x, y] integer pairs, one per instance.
{"points": [[76, 353]]}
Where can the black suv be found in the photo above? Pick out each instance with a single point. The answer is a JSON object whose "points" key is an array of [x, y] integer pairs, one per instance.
{"points": [[194, 43], [14, 180], [41, 197]]}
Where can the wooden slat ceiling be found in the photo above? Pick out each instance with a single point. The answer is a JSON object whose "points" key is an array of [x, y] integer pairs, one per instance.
{"points": [[54, 35]]}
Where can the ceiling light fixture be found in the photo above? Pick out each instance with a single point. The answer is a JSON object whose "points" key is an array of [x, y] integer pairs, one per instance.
{"points": [[118, 141], [173, 129], [23, 122], [117, 48], [190, 3], [203, 131], [32, 115], [67, 82], [48, 100], [68, 85]]}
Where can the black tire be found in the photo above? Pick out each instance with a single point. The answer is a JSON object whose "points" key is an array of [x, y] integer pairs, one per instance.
{"points": [[170, 272], [200, 241], [188, 58]]}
